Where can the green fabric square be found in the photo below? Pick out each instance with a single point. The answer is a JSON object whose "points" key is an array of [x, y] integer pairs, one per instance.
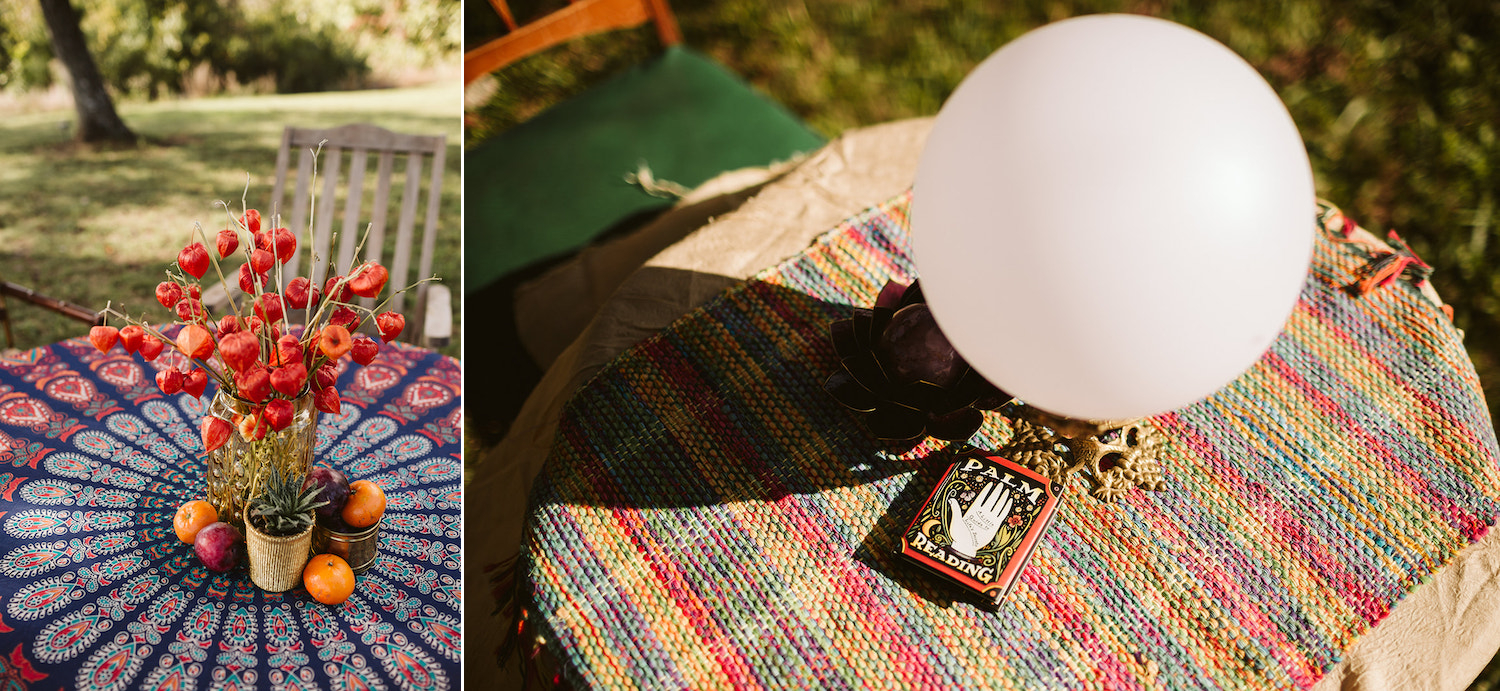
{"points": [[552, 183]]}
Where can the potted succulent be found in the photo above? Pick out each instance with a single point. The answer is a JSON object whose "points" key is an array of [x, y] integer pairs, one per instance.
{"points": [[278, 530]]}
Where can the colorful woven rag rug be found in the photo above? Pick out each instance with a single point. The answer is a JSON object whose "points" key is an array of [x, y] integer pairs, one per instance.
{"points": [[97, 592], [711, 518]]}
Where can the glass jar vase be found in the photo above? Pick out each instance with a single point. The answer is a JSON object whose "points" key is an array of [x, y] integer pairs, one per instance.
{"points": [[242, 464]]}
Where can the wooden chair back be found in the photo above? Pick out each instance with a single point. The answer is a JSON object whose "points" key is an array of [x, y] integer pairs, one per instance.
{"points": [[580, 18], [342, 192]]}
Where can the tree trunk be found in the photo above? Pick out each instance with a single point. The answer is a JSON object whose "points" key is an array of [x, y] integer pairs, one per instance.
{"points": [[97, 119]]}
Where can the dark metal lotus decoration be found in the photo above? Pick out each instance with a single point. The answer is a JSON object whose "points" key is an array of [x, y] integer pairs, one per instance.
{"points": [[900, 373]]}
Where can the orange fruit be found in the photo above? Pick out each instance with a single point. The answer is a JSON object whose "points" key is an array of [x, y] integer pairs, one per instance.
{"points": [[328, 579], [192, 517], [366, 504]]}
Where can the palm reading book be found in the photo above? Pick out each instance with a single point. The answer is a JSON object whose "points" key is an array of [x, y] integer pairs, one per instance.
{"points": [[981, 523]]}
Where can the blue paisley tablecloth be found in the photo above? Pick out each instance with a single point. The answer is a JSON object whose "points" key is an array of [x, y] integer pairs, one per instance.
{"points": [[96, 592]]}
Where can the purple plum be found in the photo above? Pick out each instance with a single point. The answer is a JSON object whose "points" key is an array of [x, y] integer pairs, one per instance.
{"points": [[337, 525], [219, 546], [333, 488], [913, 349]]}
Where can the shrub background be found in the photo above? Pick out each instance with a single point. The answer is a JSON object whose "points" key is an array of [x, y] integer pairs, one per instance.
{"points": [[151, 48]]}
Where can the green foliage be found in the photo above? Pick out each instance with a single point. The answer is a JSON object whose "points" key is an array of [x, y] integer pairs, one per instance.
{"points": [[151, 47], [411, 33], [1398, 103], [300, 57], [147, 46], [143, 45], [25, 46]]}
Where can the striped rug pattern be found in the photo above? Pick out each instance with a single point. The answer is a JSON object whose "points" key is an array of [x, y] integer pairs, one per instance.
{"points": [[710, 518]]}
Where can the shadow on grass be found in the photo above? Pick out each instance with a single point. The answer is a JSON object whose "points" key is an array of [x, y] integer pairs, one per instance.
{"points": [[180, 157]]}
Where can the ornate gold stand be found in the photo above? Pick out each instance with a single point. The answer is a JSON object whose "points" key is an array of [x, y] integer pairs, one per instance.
{"points": [[1116, 455]]}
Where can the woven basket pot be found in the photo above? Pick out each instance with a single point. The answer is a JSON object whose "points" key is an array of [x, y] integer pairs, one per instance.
{"points": [[276, 561]]}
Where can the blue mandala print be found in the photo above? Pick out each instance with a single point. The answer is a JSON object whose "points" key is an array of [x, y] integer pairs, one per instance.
{"points": [[96, 592]]}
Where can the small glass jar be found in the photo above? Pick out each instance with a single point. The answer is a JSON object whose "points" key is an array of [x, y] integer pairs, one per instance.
{"points": [[358, 548], [241, 463]]}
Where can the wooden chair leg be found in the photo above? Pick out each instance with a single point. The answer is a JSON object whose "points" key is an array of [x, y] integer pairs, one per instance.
{"points": [[437, 331]]}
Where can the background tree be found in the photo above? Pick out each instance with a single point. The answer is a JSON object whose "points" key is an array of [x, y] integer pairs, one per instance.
{"points": [[97, 119], [146, 49]]}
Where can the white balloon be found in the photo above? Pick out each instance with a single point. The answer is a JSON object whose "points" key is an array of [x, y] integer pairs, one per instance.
{"points": [[1113, 217]]}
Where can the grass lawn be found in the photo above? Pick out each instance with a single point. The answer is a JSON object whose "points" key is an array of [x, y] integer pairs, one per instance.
{"points": [[91, 225]]}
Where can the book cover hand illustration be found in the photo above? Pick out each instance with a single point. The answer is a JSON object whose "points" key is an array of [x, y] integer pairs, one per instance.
{"points": [[981, 523], [975, 528]]}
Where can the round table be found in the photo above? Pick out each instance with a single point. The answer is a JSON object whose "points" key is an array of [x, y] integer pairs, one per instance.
{"points": [[98, 592], [709, 516], [1438, 636]]}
